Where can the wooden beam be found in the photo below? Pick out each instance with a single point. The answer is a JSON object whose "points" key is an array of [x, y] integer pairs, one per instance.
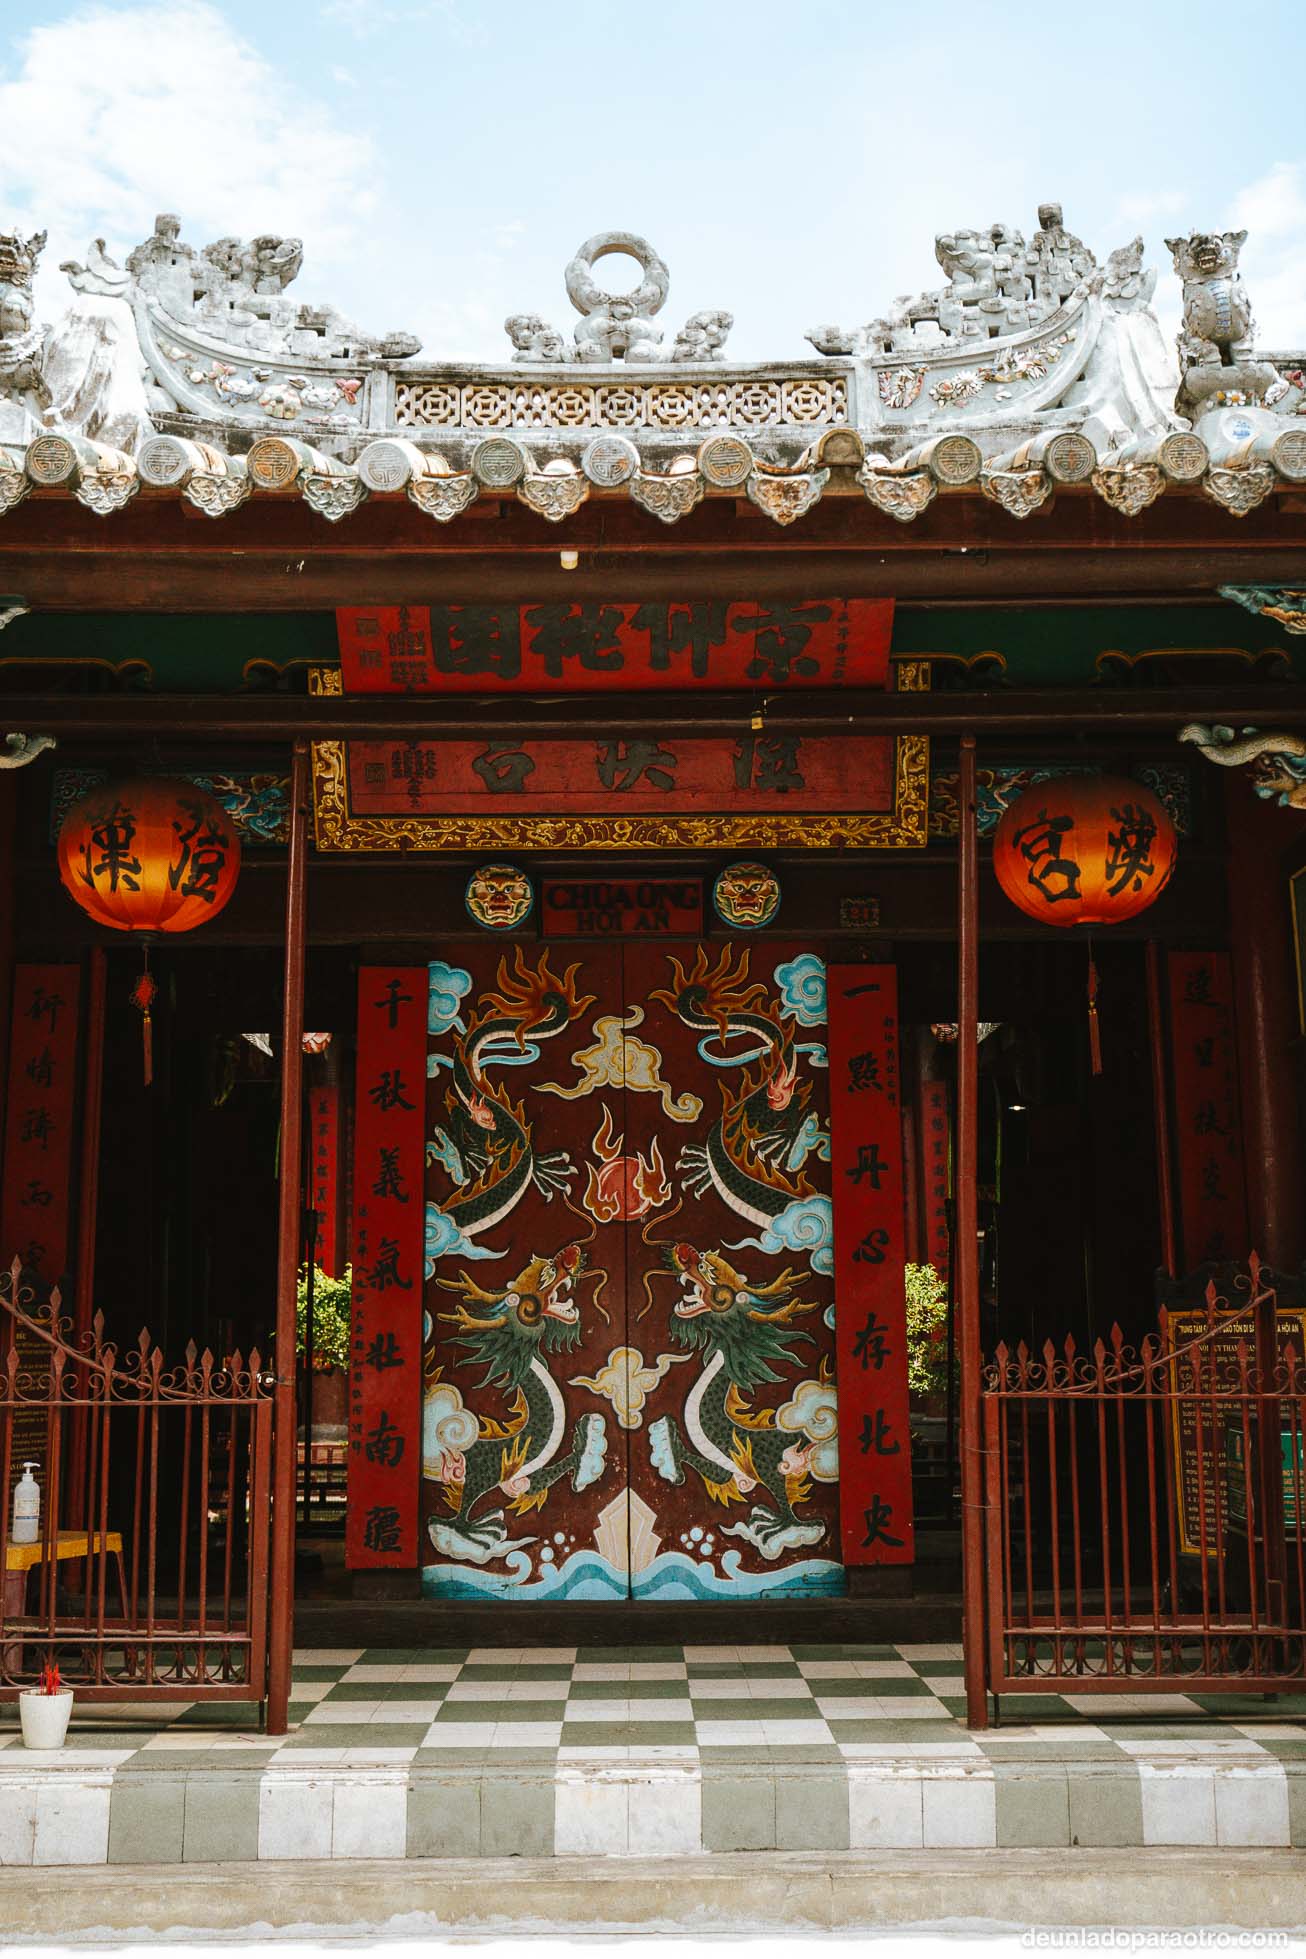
{"points": [[353, 903], [255, 719], [495, 526], [275, 554], [128, 580]]}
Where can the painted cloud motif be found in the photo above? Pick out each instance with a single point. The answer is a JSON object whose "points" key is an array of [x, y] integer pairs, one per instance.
{"points": [[447, 986], [802, 989], [627, 1381], [814, 1412], [806, 1225]]}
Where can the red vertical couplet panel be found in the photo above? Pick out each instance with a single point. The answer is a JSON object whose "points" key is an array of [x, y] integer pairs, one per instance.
{"points": [[1208, 1124], [935, 1156], [385, 1381], [866, 1175], [40, 1103], [324, 1173]]}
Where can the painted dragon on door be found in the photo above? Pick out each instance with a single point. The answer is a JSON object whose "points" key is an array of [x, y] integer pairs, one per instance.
{"points": [[512, 1333], [487, 1141], [755, 1152], [745, 1331]]}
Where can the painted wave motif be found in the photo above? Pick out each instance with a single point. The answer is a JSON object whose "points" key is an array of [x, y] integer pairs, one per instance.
{"points": [[587, 1575]]}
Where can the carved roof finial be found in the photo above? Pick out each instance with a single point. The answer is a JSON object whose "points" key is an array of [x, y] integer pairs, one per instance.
{"points": [[19, 256], [618, 326]]}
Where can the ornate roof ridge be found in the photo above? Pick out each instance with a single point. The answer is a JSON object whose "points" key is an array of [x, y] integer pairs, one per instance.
{"points": [[1031, 361]]}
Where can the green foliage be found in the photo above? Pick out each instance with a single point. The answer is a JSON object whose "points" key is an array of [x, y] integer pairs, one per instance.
{"points": [[927, 1325], [331, 1316]]}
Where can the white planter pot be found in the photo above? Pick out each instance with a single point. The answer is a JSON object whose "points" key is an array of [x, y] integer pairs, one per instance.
{"points": [[45, 1717]]}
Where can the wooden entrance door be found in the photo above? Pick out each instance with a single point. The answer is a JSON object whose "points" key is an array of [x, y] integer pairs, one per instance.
{"points": [[629, 1386]]}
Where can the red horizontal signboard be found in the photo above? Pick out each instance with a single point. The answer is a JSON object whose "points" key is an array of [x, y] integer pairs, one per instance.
{"points": [[590, 647], [653, 775], [626, 908]]}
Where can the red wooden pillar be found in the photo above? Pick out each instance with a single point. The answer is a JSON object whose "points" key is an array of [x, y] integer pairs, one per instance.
{"points": [[1260, 835], [8, 885], [88, 1203], [967, 1244], [281, 1626], [1161, 1134]]}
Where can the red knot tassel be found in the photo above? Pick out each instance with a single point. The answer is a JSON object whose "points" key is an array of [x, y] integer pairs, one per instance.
{"points": [[1094, 1029], [143, 995]]}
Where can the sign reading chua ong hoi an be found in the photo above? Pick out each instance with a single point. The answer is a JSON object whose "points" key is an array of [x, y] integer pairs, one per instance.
{"points": [[626, 908]]}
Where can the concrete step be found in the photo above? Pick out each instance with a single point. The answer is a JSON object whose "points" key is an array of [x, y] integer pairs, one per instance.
{"points": [[65, 1810], [793, 1892]]}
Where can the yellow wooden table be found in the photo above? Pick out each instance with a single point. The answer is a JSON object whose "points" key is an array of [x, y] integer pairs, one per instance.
{"points": [[20, 1559]]}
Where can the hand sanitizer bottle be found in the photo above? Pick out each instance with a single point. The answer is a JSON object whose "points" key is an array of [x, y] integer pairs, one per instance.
{"points": [[27, 1508]]}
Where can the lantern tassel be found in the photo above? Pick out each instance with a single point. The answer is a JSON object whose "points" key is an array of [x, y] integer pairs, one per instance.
{"points": [[1094, 1029], [142, 997]]}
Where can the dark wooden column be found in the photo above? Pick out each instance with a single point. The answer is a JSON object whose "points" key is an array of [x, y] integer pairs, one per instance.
{"points": [[1162, 1139], [1261, 837], [281, 1628], [967, 1244], [8, 886], [88, 1204]]}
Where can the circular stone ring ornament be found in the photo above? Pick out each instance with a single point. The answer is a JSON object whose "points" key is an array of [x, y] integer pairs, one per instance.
{"points": [[725, 462], [1070, 457], [746, 896], [498, 462], [53, 459], [499, 896], [274, 462], [389, 464], [610, 460], [1085, 850], [584, 291], [956, 459]]}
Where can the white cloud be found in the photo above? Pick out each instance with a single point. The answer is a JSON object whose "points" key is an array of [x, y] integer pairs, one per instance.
{"points": [[1273, 211], [1140, 207], [367, 18], [116, 112], [1275, 203]]}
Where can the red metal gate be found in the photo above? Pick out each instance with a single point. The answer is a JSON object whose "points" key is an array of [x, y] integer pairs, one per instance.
{"points": [[148, 1578], [1143, 1508]]}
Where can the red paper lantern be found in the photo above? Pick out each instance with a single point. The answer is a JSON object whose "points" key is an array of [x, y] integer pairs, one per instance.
{"points": [[1085, 850], [147, 856], [150, 855]]}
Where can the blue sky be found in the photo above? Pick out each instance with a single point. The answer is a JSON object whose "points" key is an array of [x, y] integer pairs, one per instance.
{"points": [[443, 159]]}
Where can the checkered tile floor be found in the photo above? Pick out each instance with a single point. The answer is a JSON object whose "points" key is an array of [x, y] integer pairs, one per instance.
{"points": [[798, 1703]]}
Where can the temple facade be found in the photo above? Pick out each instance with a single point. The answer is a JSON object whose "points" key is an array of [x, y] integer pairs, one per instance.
{"points": [[676, 1136]]}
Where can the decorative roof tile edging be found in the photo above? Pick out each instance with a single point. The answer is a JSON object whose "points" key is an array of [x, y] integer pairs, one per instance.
{"points": [[443, 483]]}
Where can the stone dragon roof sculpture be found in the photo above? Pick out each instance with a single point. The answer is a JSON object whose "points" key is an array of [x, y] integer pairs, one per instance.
{"points": [[1033, 366]]}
